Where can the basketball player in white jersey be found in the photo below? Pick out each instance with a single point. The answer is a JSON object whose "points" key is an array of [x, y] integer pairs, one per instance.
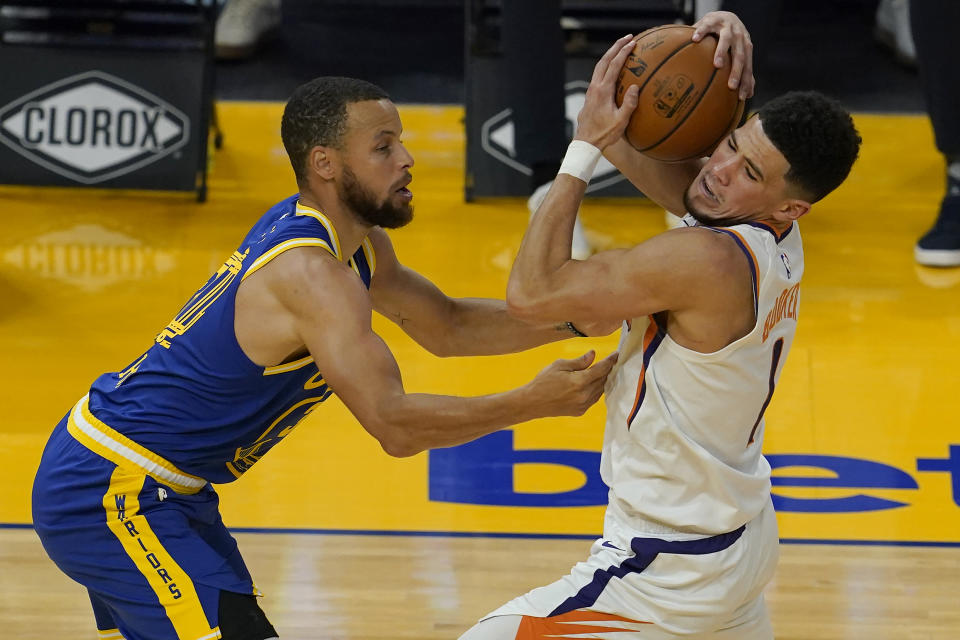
{"points": [[710, 310]]}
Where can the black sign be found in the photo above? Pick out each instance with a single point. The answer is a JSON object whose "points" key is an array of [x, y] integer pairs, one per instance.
{"points": [[89, 117], [492, 166]]}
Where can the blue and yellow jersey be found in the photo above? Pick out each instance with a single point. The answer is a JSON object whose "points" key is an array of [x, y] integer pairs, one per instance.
{"points": [[194, 408]]}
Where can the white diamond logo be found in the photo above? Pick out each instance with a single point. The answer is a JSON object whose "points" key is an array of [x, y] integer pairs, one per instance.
{"points": [[497, 138], [92, 127]]}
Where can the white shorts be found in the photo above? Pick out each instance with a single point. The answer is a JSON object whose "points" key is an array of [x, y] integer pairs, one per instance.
{"points": [[666, 585]]}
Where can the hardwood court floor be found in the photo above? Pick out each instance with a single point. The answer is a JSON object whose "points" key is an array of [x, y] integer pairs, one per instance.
{"points": [[88, 276], [386, 587]]}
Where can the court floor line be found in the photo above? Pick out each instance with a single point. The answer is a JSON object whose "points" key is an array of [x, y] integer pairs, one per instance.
{"points": [[534, 536]]}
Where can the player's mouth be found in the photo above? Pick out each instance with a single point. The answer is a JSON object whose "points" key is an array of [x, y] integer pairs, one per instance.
{"points": [[403, 191]]}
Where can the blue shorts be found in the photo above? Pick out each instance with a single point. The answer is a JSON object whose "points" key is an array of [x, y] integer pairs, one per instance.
{"points": [[153, 560]]}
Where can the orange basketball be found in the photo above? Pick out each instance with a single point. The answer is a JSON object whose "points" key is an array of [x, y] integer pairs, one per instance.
{"points": [[685, 107]]}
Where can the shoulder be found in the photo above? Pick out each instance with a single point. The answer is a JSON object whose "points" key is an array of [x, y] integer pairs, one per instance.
{"points": [[385, 255], [692, 249], [311, 266], [692, 265], [283, 212], [381, 242], [276, 234], [304, 276]]}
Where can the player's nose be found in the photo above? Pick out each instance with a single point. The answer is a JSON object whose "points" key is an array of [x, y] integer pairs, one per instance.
{"points": [[722, 170], [406, 158]]}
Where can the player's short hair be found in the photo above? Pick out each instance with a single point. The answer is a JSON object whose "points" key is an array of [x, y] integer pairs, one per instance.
{"points": [[817, 137], [316, 114]]}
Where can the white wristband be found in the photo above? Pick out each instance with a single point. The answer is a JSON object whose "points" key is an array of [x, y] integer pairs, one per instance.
{"points": [[580, 161]]}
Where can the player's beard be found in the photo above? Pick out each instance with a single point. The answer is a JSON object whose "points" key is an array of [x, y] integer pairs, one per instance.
{"points": [[364, 205], [706, 220]]}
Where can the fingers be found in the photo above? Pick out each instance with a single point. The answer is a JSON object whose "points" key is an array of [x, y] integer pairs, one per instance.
{"points": [[578, 364], [596, 379], [617, 46], [612, 358], [601, 370], [723, 45], [627, 107], [600, 70], [613, 69], [736, 66], [747, 81], [604, 366], [733, 45], [581, 385], [741, 68], [709, 23], [630, 100]]}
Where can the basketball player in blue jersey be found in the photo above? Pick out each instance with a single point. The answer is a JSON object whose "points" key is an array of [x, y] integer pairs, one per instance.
{"points": [[122, 500], [710, 309]]}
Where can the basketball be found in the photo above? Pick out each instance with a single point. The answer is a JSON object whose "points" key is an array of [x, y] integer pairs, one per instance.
{"points": [[684, 107]]}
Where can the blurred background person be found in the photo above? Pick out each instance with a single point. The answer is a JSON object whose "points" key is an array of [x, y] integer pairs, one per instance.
{"points": [[920, 34], [243, 25], [892, 29], [933, 24]]}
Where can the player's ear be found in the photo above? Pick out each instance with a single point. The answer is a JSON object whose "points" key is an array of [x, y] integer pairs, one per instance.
{"points": [[792, 209], [321, 161]]}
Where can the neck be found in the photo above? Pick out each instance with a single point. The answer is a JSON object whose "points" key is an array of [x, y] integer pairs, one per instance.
{"points": [[349, 231]]}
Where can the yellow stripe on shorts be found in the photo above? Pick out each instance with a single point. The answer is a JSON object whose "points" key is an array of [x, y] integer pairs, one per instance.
{"points": [[173, 586], [108, 443]]}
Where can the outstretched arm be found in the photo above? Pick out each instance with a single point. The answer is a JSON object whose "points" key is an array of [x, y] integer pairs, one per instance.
{"points": [[453, 326], [327, 308]]}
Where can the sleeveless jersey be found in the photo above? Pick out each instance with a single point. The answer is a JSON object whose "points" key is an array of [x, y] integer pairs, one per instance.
{"points": [[684, 429], [194, 408]]}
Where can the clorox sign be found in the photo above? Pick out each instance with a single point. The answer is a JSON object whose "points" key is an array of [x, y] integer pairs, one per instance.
{"points": [[92, 127]]}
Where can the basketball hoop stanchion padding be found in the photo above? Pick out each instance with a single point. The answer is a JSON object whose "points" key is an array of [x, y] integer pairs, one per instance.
{"points": [[107, 94], [493, 167]]}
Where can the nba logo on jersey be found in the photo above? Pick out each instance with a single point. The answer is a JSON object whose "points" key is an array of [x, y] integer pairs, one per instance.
{"points": [[92, 126], [786, 263]]}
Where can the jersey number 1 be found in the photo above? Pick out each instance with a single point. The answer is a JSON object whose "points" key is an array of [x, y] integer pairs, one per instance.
{"points": [[775, 360]]}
